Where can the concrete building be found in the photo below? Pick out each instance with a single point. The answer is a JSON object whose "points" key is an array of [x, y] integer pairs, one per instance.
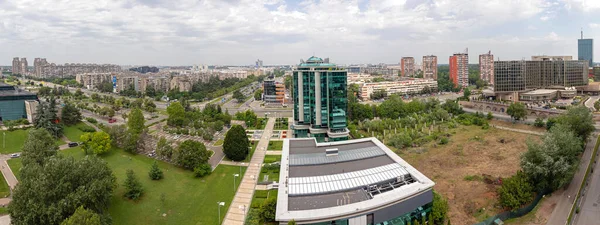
{"points": [[125, 82], [181, 83], [273, 91], [551, 57], [585, 50], [92, 80], [43, 69], [12, 102], [320, 100], [486, 67], [159, 83], [429, 67], [16, 65], [521, 76], [259, 63], [354, 182], [459, 69], [403, 87], [407, 66]]}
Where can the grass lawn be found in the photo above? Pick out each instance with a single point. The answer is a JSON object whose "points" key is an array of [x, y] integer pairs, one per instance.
{"points": [[188, 200], [275, 145], [281, 124], [259, 197], [15, 165], [4, 189], [271, 174], [262, 123], [272, 158], [73, 133], [218, 142], [14, 141], [3, 210]]}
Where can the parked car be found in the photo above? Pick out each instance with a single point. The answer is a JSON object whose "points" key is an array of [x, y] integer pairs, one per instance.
{"points": [[112, 120], [73, 144], [15, 155]]}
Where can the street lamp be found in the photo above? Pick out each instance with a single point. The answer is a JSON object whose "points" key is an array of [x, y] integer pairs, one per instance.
{"points": [[234, 176], [4, 140], [219, 209]]}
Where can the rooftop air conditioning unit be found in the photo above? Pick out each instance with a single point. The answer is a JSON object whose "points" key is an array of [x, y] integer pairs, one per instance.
{"points": [[331, 152]]}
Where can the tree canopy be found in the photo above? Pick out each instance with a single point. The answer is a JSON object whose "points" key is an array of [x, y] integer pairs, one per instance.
{"points": [[50, 193], [70, 114], [176, 114], [580, 120], [83, 217], [46, 117], [236, 143], [38, 147], [239, 96], [136, 121], [516, 110], [97, 142], [515, 191], [191, 154]]}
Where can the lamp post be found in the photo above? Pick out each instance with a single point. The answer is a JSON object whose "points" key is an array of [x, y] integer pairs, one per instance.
{"points": [[219, 209], [4, 140], [234, 176]]}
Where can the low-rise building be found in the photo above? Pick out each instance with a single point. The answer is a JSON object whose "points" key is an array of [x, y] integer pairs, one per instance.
{"points": [[12, 102], [403, 87], [273, 91], [92, 80], [355, 182]]}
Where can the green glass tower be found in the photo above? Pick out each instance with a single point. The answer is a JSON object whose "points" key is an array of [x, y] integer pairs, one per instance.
{"points": [[320, 101]]}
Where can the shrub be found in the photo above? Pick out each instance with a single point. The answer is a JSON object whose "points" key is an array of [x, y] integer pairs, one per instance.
{"points": [[261, 194], [155, 173], [515, 191], [202, 170], [133, 187], [444, 141], [91, 120]]}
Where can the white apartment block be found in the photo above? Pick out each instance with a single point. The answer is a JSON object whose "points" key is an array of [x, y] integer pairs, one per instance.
{"points": [[413, 86]]}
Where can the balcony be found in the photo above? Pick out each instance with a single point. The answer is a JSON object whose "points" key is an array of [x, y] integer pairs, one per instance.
{"points": [[338, 133]]}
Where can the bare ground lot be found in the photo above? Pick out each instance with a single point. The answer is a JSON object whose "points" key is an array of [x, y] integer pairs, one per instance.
{"points": [[458, 168], [517, 126]]}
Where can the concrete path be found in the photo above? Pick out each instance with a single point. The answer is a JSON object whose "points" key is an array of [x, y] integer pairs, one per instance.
{"points": [[233, 163], [566, 201], [519, 130], [5, 220], [590, 102], [236, 214], [273, 152]]}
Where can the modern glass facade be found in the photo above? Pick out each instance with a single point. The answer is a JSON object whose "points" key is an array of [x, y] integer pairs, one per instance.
{"points": [[320, 101], [12, 102], [585, 50], [408, 218]]}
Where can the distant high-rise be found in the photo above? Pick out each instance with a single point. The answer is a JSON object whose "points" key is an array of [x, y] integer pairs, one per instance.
{"points": [[524, 75], [16, 65], [430, 67], [23, 69], [585, 50], [486, 67], [320, 100], [259, 63], [459, 69], [407, 66]]}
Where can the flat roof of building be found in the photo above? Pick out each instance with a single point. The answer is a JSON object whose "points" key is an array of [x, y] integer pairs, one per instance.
{"points": [[340, 179], [9, 90], [540, 92]]}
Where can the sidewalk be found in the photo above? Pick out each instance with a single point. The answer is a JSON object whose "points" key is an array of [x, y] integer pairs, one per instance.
{"points": [[518, 130], [236, 214]]}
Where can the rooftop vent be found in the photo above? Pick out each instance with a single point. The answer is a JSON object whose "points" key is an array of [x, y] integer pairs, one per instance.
{"points": [[331, 152]]}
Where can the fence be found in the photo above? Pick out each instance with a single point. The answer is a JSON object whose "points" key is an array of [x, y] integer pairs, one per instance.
{"points": [[513, 214]]}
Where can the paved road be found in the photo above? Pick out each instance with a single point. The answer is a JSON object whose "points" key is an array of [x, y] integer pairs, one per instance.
{"points": [[236, 214], [590, 102], [566, 200], [590, 200]]}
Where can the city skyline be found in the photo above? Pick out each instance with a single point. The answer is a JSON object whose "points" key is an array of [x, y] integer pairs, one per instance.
{"points": [[237, 32]]}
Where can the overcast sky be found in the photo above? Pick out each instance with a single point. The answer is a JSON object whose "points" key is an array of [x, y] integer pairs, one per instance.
{"points": [[237, 32]]}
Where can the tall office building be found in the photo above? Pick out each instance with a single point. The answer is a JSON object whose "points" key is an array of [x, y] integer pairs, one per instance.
{"points": [[259, 63], [522, 75], [459, 69], [16, 65], [320, 101], [585, 50], [486, 67], [407, 66], [23, 68], [430, 67]]}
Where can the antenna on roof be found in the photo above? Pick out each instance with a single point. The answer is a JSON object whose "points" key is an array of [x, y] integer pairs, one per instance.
{"points": [[582, 33]]}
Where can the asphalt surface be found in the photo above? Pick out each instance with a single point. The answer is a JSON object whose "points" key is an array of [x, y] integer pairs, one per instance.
{"points": [[590, 200]]}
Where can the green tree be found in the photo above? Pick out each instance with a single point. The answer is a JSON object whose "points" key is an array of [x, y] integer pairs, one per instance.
{"points": [[136, 121], [50, 193], [452, 107], [131, 142], [467, 94], [106, 86], [239, 96], [490, 116], [155, 173], [267, 210], [176, 114], [83, 217], [191, 154], [70, 114], [580, 120], [597, 105], [516, 110], [236, 143], [97, 142], [258, 94], [202, 170], [38, 147], [539, 122], [439, 210], [164, 149], [480, 83], [379, 94], [393, 108], [515, 191], [46, 118], [150, 91], [133, 187], [149, 105], [291, 222]]}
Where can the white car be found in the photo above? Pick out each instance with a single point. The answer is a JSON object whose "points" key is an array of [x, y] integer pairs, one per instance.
{"points": [[15, 155]]}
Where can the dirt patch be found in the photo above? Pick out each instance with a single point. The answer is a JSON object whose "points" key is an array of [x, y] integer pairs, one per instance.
{"points": [[472, 151], [517, 126]]}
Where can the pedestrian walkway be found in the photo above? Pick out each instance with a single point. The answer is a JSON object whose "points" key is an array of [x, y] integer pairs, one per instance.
{"points": [[236, 214], [273, 152], [519, 130]]}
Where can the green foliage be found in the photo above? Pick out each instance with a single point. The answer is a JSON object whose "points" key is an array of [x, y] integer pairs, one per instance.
{"points": [[291, 222], [515, 191], [248, 116], [580, 120], [133, 187], [597, 105], [149, 105], [236, 143], [444, 140], [130, 142], [105, 86], [70, 114], [400, 140], [136, 121], [379, 94], [38, 147], [452, 107], [439, 210], [83, 217], [155, 173], [539, 122], [164, 149], [267, 210], [490, 116], [176, 114], [516, 110], [50, 193], [97, 142], [239, 97], [467, 94], [443, 80], [91, 120], [46, 118], [191, 154], [258, 94], [202, 170], [552, 163]]}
